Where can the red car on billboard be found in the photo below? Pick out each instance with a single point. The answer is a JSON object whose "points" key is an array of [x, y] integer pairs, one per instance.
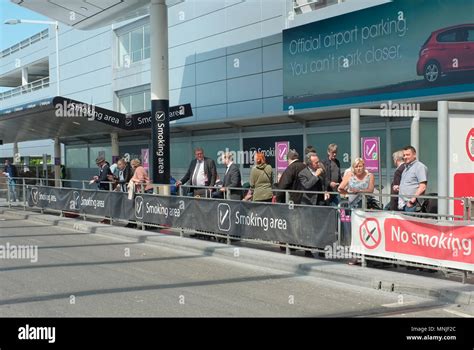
{"points": [[446, 51]]}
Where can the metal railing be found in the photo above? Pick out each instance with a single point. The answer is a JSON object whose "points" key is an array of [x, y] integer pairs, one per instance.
{"points": [[341, 233], [25, 89], [25, 43]]}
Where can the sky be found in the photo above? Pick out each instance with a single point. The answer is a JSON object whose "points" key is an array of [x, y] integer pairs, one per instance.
{"points": [[12, 34]]}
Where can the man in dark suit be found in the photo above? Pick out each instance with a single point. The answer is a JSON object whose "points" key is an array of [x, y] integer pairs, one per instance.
{"points": [[312, 179], [201, 172], [397, 176], [104, 171], [232, 178], [333, 173], [289, 179]]}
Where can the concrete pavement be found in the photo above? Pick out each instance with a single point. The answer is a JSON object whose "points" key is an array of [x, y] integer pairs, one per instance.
{"points": [[121, 272]]}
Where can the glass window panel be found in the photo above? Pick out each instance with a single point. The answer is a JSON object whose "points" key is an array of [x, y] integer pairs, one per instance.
{"points": [[137, 44], [137, 103], [124, 103], [96, 151], [124, 48], [180, 156], [321, 142], [147, 100], [76, 157], [146, 45], [428, 152], [213, 147]]}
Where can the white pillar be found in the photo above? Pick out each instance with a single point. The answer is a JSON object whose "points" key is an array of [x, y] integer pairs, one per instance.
{"points": [[389, 159], [58, 79], [415, 135], [443, 164], [115, 146], [16, 154], [57, 162], [24, 75], [355, 133]]}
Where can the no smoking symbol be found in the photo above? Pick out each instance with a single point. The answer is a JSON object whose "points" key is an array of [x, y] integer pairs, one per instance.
{"points": [[370, 234]]}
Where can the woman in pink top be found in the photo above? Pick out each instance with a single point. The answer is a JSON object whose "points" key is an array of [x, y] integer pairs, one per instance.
{"points": [[140, 176]]}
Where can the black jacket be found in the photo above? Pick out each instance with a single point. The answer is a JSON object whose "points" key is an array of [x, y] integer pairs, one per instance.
{"points": [[127, 175], [397, 177], [103, 180], [233, 179], [327, 165], [289, 181], [209, 170], [309, 182], [13, 170]]}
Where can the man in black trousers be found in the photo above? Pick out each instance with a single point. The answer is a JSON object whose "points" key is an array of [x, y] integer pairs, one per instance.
{"points": [[232, 178], [201, 172], [289, 179]]}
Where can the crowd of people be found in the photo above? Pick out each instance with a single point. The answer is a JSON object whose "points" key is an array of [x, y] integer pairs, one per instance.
{"points": [[300, 180]]}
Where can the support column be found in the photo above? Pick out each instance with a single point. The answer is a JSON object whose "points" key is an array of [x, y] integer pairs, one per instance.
{"points": [[16, 154], [115, 147], [355, 133], [160, 130], [388, 158], [57, 162], [24, 76], [443, 169], [415, 134]]}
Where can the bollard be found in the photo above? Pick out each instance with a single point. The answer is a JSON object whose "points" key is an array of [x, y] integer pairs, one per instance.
{"points": [[466, 208]]}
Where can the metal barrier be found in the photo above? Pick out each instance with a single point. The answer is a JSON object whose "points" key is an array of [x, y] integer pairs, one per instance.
{"points": [[341, 210]]}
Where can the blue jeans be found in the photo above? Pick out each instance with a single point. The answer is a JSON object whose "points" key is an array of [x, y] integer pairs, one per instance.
{"points": [[408, 209], [12, 190], [334, 200]]}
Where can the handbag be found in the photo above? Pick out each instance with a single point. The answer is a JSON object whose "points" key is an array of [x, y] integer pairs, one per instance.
{"points": [[131, 190]]}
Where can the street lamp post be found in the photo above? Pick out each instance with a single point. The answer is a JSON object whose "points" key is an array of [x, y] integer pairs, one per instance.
{"points": [[56, 27]]}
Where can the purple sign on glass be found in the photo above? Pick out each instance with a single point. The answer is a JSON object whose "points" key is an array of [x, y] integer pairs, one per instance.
{"points": [[281, 150], [146, 158], [371, 153]]}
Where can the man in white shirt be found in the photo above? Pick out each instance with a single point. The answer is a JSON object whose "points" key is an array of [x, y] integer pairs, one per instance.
{"points": [[201, 172]]}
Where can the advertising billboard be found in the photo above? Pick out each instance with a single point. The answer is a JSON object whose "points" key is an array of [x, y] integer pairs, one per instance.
{"points": [[398, 50]]}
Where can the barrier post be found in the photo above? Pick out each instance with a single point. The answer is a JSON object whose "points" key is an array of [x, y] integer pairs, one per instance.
{"points": [[8, 194], [287, 250], [24, 194], [364, 202], [466, 208], [287, 197]]}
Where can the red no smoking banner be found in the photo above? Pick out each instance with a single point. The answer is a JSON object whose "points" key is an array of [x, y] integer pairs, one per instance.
{"points": [[370, 233], [470, 144]]}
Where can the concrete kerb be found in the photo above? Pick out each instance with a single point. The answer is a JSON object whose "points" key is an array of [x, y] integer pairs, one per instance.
{"points": [[396, 282]]}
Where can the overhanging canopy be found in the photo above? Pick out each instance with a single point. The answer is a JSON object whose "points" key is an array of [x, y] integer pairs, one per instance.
{"points": [[65, 119]]}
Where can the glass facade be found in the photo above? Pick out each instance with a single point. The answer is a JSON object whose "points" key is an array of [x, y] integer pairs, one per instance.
{"points": [[134, 46], [134, 102]]}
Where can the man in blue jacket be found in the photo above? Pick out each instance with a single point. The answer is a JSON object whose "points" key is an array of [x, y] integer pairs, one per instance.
{"points": [[11, 173]]}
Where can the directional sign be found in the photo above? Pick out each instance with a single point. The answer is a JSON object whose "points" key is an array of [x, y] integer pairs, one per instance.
{"points": [[281, 150], [371, 153], [370, 233], [223, 217]]}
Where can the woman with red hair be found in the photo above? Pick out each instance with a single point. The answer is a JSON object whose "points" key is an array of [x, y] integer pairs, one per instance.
{"points": [[261, 179]]}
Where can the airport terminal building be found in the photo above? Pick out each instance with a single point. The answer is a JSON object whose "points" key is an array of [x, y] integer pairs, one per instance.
{"points": [[255, 72]]}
